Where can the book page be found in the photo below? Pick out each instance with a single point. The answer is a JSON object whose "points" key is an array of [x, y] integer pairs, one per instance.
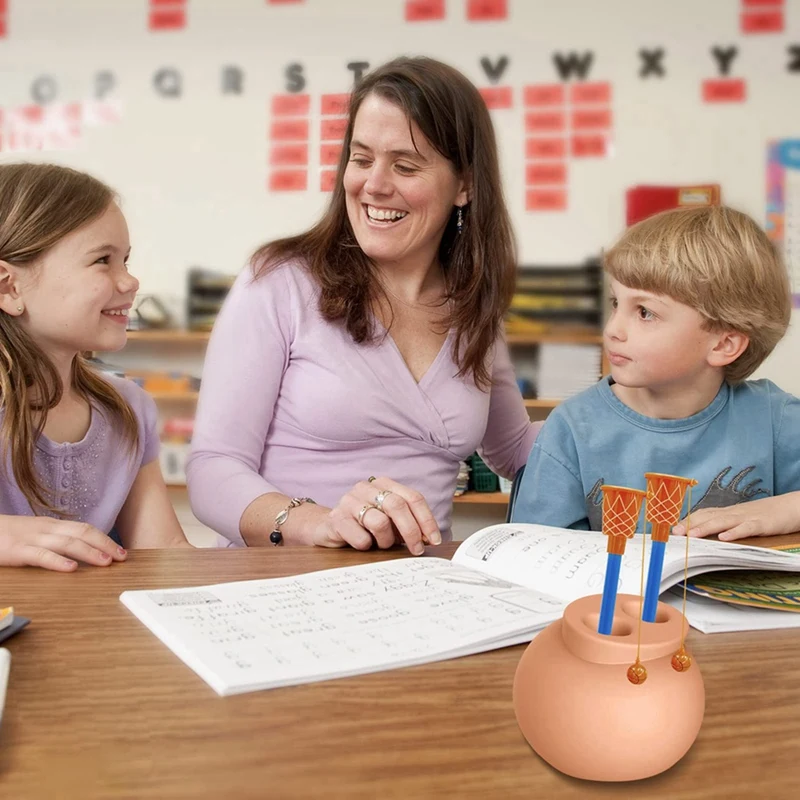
{"points": [[569, 564], [257, 634]]}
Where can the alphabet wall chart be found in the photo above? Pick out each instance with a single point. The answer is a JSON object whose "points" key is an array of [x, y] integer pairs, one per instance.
{"points": [[587, 100]]}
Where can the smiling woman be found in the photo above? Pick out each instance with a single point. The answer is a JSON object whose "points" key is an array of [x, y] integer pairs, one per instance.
{"points": [[371, 344]]}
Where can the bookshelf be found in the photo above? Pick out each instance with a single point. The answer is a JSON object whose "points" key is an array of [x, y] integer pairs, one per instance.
{"points": [[561, 334]]}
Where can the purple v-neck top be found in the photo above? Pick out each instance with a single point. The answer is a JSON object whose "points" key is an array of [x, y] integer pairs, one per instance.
{"points": [[289, 403]]}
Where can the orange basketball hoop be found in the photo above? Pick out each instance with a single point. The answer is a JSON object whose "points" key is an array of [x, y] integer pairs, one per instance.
{"points": [[665, 494], [621, 508]]}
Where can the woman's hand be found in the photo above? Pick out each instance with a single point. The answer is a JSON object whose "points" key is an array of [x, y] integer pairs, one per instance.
{"points": [[771, 516], [393, 512], [55, 544]]}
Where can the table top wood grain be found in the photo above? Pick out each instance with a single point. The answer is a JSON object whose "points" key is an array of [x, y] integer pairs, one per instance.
{"points": [[98, 707]]}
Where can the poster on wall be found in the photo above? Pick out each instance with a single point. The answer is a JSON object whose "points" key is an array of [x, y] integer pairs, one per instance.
{"points": [[783, 205]]}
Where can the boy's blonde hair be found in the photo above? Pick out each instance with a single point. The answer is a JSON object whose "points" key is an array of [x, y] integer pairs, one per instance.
{"points": [[717, 261]]}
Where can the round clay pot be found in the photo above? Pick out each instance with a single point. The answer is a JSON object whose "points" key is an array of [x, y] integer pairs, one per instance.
{"points": [[581, 714]]}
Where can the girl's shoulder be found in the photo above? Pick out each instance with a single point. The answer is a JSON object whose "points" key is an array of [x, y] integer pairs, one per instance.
{"points": [[137, 398]]}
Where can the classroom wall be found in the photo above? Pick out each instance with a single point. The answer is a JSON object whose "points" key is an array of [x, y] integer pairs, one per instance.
{"points": [[144, 94]]}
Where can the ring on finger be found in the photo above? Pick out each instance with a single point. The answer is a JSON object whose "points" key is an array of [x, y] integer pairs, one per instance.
{"points": [[380, 497], [364, 509]]}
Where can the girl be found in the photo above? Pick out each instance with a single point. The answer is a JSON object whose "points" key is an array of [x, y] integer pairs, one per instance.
{"points": [[78, 450]]}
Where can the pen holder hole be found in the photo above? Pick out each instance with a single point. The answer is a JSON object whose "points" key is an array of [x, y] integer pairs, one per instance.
{"points": [[619, 627], [631, 608]]}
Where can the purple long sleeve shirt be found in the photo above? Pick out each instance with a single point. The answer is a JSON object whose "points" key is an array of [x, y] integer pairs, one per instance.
{"points": [[90, 480], [289, 403]]}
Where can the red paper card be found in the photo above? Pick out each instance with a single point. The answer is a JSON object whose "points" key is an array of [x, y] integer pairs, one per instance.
{"points": [[3, 28], [479, 10], [543, 94], [289, 155], [547, 172], [3, 6], [762, 22], [545, 148], [497, 96], [329, 154], [288, 180], [544, 121], [334, 105], [291, 105], [424, 10], [583, 118], [589, 146], [545, 200], [333, 129], [590, 93], [762, 2], [327, 180], [289, 130], [724, 90], [167, 20]]}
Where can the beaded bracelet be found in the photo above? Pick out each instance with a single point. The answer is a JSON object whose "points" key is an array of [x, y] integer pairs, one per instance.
{"points": [[276, 537]]}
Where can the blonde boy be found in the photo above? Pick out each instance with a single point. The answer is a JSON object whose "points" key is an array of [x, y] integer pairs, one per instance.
{"points": [[699, 298]]}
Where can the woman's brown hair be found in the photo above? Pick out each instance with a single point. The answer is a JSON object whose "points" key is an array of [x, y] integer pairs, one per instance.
{"points": [[479, 264], [40, 204]]}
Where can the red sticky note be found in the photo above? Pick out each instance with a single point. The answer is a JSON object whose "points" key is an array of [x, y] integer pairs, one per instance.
{"points": [[545, 148], [289, 129], [334, 105], [547, 172], [724, 90], [545, 200], [589, 146], [333, 129], [762, 21], [543, 94], [167, 20], [583, 118], [762, 2], [480, 10], [329, 154], [590, 93], [288, 180], [290, 105], [497, 96], [327, 180], [544, 121], [424, 10], [289, 155]]}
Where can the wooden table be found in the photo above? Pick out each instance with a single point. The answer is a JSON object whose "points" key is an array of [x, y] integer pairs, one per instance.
{"points": [[98, 707]]}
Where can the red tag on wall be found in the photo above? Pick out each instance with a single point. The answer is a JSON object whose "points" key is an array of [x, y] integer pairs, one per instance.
{"points": [[481, 10], [424, 10], [724, 90], [497, 97]]}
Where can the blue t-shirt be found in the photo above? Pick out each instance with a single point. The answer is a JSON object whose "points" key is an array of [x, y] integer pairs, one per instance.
{"points": [[743, 446]]}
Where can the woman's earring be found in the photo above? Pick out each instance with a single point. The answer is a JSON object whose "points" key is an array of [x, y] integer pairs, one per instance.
{"points": [[19, 308], [460, 220]]}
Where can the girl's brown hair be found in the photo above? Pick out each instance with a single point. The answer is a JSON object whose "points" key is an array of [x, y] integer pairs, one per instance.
{"points": [[40, 204], [719, 262], [479, 264]]}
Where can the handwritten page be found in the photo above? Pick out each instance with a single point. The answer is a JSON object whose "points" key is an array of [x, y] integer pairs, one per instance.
{"points": [[251, 635], [569, 564]]}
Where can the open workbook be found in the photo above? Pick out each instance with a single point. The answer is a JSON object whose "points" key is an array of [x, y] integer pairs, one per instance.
{"points": [[503, 585]]}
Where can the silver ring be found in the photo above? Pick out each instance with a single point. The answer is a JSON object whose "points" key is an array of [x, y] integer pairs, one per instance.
{"points": [[364, 509], [380, 497]]}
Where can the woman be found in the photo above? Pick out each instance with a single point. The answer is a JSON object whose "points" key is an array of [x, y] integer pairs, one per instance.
{"points": [[371, 344]]}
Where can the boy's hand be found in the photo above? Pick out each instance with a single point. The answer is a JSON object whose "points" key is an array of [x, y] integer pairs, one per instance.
{"points": [[54, 544], [771, 516]]}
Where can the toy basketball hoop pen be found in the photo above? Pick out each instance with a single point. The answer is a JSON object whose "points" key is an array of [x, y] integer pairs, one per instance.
{"points": [[665, 494], [621, 507]]}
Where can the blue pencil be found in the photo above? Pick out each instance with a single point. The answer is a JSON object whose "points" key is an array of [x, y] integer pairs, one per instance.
{"points": [[609, 601]]}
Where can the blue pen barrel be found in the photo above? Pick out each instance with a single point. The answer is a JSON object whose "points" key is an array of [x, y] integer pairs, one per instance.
{"points": [[653, 581], [609, 593]]}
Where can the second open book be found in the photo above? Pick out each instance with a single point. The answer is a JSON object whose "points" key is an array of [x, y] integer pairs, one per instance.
{"points": [[503, 585]]}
